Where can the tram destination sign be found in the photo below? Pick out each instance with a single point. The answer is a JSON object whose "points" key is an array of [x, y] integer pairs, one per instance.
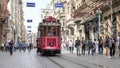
{"points": [[51, 24]]}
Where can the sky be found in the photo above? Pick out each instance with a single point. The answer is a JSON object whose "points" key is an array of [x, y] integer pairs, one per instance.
{"points": [[33, 13]]}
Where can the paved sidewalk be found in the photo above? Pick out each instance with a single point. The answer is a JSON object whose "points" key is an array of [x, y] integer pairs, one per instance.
{"points": [[97, 60]]}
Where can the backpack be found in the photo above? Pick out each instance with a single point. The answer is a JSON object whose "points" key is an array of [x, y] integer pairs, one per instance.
{"points": [[107, 40]]}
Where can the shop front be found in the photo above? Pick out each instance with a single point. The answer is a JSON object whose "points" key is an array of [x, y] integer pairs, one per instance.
{"points": [[91, 27]]}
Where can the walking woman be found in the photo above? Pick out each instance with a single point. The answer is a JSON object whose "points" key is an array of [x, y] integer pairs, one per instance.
{"points": [[11, 47], [100, 46], [107, 46]]}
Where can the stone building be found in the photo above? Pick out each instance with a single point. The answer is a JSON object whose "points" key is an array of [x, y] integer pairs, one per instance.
{"points": [[88, 18], [99, 17], [16, 21], [4, 15]]}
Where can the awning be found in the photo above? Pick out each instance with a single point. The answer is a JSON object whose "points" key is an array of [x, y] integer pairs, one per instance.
{"points": [[92, 18], [77, 20]]}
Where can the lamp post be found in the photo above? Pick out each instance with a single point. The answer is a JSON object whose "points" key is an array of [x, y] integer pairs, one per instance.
{"points": [[99, 23]]}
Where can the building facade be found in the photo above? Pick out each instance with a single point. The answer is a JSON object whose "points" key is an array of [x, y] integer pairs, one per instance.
{"points": [[16, 21], [4, 15], [100, 18], [88, 18]]}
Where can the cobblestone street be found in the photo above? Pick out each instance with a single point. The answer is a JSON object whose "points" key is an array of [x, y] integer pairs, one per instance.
{"points": [[32, 60]]}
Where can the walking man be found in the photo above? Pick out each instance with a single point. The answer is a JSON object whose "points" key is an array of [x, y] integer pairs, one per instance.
{"points": [[77, 45], [100, 46], [112, 47], [83, 46], [11, 47], [90, 47]]}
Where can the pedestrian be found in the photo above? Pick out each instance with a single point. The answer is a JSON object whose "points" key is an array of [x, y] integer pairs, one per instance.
{"points": [[30, 46], [2, 46], [83, 46], [118, 41], [96, 43], [11, 47], [67, 45], [112, 47], [72, 49], [100, 46], [90, 47], [20, 45], [77, 45], [107, 44], [64, 46], [71, 46]]}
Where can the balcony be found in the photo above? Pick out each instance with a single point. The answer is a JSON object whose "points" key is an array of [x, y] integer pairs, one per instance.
{"points": [[77, 20], [62, 15], [2, 17], [6, 29], [88, 7]]}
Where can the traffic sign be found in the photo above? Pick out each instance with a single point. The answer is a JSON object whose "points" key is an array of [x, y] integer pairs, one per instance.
{"points": [[59, 5]]}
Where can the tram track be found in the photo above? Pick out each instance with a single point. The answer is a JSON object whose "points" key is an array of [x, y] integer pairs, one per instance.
{"points": [[73, 61], [101, 66], [84, 66], [61, 66]]}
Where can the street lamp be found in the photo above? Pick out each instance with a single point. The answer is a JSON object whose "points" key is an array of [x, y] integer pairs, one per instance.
{"points": [[99, 23]]}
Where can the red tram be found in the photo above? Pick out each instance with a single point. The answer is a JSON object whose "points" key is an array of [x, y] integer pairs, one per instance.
{"points": [[49, 36]]}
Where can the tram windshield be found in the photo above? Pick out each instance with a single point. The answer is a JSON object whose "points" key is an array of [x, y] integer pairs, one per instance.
{"points": [[50, 31]]}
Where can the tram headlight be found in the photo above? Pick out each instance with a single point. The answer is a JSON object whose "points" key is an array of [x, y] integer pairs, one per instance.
{"points": [[51, 44]]}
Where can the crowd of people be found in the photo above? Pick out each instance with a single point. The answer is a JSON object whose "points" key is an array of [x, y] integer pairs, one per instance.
{"points": [[12, 47], [108, 46]]}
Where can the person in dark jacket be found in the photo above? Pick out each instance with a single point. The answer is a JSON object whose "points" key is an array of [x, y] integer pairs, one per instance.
{"points": [[11, 47], [77, 45], [83, 46], [90, 47], [112, 47]]}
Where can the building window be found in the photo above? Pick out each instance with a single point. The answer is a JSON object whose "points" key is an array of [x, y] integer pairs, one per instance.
{"points": [[72, 31], [83, 1]]}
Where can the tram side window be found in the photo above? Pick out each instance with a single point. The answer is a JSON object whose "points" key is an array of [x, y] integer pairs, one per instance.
{"points": [[58, 31], [43, 31]]}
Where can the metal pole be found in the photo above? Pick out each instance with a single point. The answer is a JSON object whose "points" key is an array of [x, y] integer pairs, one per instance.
{"points": [[99, 23]]}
